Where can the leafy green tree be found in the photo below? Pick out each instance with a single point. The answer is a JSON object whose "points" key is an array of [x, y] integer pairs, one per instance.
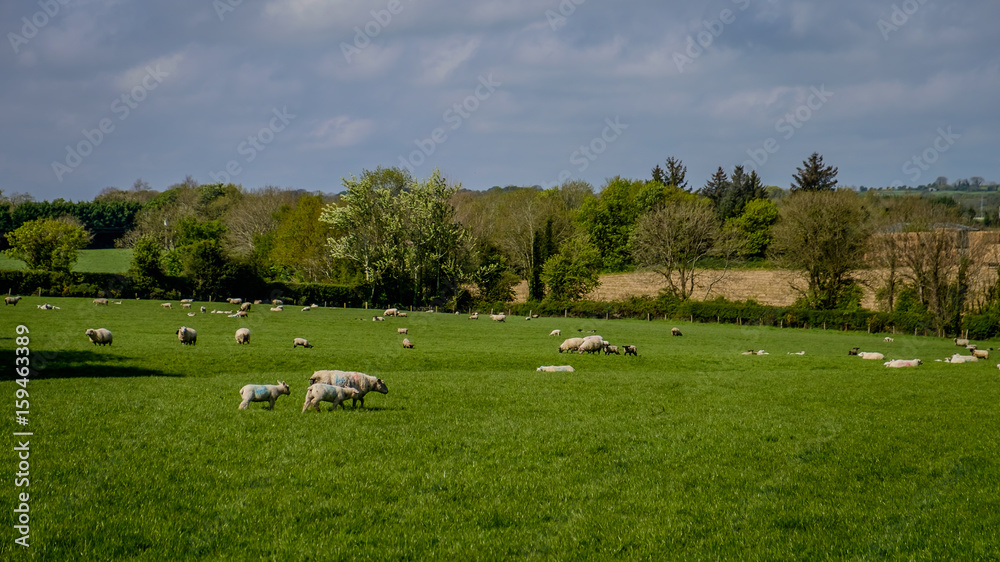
{"points": [[814, 176], [574, 271], [206, 265], [146, 270], [754, 226], [47, 244], [609, 219], [495, 278], [740, 190], [299, 241]]}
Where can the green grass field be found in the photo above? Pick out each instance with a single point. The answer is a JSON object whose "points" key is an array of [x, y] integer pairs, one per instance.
{"points": [[689, 452], [88, 261]]}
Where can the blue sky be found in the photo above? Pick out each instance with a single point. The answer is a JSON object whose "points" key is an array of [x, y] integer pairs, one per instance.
{"points": [[299, 93]]}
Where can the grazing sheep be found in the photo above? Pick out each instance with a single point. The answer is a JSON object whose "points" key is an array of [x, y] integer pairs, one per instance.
{"points": [[407, 344], [99, 336], [390, 312], [234, 301], [555, 333], [903, 363], [591, 344], [245, 307], [101, 301], [300, 341], [187, 336], [887, 339], [378, 319], [277, 302], [608, 350], [675, 332], [630, 350], [203, 309], [359, 381], [262, 393], [474, 316], [498, 317], [400, 330], [320, 392], [167, 305], [243, 336], [962, 342], [11, 300], [240, 314], [853, 351], [276, 309], [981, 353], [401, 315], [556, 368], [571, 344], [186, 305], [874, 355]]}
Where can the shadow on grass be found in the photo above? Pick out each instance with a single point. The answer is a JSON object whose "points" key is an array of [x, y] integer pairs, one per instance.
{"points": [[73, 365]]}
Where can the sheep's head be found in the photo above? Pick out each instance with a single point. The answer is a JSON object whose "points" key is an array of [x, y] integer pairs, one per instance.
{"points": [[90, 332], [381, 387], [283, 387]]}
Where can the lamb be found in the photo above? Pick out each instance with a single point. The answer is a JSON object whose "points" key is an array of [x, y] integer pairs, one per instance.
{"points": [[306, 308], [262, 393], [167, 305], [101, 302], [498, 317], [400, 330], [956, 358], [873, 355], [853, 351], [981, 353], [407, 344], [611, 349], [46, 306], [903, 363], [328, 393], [630, 350], [961, 342], [11, 300], [276, 309], [390, 312], [401, 315], [749, 352], [187, 336], [243, 336], [675, 332], [359, 381], [378, 319], [797, 352], [99, 336], [203, 309], [474, 316], [555, 333], [258, 301], [571, 344], [240, 314], [556, 368], [887, 339], [191, 314], [300, 341], [245, 307]]}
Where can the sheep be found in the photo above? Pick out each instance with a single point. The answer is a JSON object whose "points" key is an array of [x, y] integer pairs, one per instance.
{"points": [[401, 315], [320, 392], [258, 301], [675, 332], [571, 344], [191, 314], [630, 350], [11, 300], [961, 342], [186, 305], [262, 393], [101, 302], [853, 351], [378, 319], [527, 318], [306, 308], [762, 352], [611, 349], [873, 355], [555, 333], [100, 336], [556, 368], [243, 336], [167, 305], [591, 344], [972, 347], [359, 381], [118, 302], [407, 344], [887, 339], [203, 309], [300, 341], [187, 300], [234, 301], [903, 363], [981, 353], [474, 316], [187, 336], [46, 306], [796, 353], [390, 312], [956, 358], [276, 309], [277, 302], [400, 330], [749, 352], [245, 307], [240, 314], [498, 317]]}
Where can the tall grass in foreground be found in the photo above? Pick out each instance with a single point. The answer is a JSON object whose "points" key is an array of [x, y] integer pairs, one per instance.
{"points": [[690, 451]]}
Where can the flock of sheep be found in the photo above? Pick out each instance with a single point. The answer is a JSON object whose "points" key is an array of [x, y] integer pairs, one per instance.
{"points": [[324, 386]]}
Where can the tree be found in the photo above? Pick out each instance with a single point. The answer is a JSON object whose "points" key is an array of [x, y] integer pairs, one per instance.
{"points": [[574, 271], [299, 241], [47, 244], [676, 174], [754, 226], [146, 270], [814, 176], [494, 278], [610, 218], [673, 239], [824, 233], [715, 187], [737, 192]]}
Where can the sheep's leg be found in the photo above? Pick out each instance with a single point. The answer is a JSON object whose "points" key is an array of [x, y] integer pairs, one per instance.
{"points": [[245, 403]]}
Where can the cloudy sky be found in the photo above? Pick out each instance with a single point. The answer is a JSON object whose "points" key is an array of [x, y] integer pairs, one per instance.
{"points": [[299, 93]]}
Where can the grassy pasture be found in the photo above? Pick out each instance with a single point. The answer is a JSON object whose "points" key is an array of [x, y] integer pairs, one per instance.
{"points": [[690, 451], [113, 260]]}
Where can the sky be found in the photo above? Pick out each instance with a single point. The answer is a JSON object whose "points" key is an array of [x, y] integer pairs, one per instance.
{"points": [[301, 93]]}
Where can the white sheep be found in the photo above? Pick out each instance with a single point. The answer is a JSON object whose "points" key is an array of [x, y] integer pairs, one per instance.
{"points": [[359, 381], [498, 317], [401, 330], [390, 312], [187, 336], [277, 302], [187, 300], [378, 319], [474, 316], [300, 341], [101, 302], [591, 344], [407, 344], [262, 393], [675, 332], [556, 368], [872, 355], [306, 308], [401, 315], [203, 309], [981, 353], [903, 363], [320, 392], [191, 314], [555, 333], [571, 344], [46, 306], [11, 300], [888, 339], [276, 309], [243, 336], [245, 307], [956, 358], [234, 301], [608, 350], [258, 301], [961, 342], [100, 336], [186, 305], [167, 305]]}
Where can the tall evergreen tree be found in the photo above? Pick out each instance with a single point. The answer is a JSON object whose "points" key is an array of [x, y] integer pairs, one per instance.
{"points": [[716, 187], [676, 174], [814, 176], [659, 176]]}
